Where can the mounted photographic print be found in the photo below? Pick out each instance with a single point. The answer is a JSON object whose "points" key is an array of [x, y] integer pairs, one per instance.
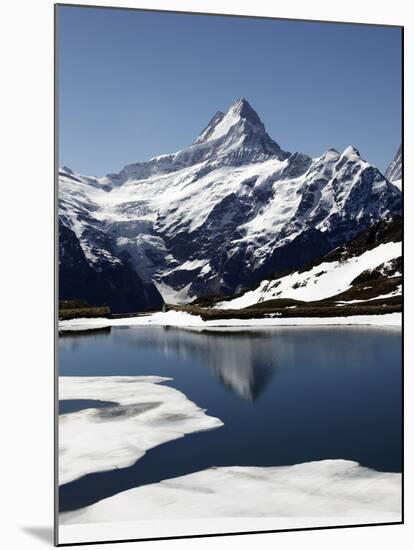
{"points": [[229, 258]]}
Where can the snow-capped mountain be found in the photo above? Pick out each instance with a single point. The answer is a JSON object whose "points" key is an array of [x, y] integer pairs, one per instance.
{"points": [[226, 212], [394, 170]]}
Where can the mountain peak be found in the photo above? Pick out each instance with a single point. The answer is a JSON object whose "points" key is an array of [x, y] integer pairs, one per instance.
{"points": [[240, 112], [351, 151], [66, 169], [240, 101], [330, 155], [243, 108]]}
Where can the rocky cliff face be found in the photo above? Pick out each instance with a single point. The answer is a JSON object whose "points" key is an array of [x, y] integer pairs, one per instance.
{"points": [[110, 283]]}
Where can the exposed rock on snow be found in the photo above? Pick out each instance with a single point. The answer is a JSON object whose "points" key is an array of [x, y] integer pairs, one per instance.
{"points": [[146, 415], [327, 488]]}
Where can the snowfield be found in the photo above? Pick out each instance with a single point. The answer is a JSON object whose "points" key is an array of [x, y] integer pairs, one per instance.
{"points": [[317, 490], [186, 320], [146, 415], [322, 281]]}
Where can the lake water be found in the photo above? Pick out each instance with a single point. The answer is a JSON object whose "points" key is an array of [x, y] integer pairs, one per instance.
{"points": [[285, 395]]}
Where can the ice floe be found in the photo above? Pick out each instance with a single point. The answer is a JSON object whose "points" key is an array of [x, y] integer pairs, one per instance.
{"points": [[321, 489], [147, 414]]}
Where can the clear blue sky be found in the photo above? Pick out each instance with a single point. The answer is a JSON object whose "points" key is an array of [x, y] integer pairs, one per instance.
{"points": [[134, 84]]}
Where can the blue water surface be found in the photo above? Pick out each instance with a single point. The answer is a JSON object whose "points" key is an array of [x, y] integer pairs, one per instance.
{"points": [[285, 395]]}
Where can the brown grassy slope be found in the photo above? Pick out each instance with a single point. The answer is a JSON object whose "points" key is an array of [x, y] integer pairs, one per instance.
{"points": [[72, 309]]}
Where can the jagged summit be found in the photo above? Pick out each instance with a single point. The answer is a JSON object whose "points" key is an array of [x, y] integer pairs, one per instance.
{"points": [[244, 110], [239, 135], [239, 115], [330, 155], [220, 122], [351, 151], [66, 169]]}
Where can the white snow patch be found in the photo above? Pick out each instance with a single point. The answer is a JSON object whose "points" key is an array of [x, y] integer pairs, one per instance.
{"points": [[173, 296], [189, 265], [193, 264], [326, 488], [206, 269], [147, 414]]}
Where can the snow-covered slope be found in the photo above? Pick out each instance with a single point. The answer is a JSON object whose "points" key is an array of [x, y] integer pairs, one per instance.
{"points": [[90, 268], [322, 281], [394, 170], [227, 211], [338, 272]]}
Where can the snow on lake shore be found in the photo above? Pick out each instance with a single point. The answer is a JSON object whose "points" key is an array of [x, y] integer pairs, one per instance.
{"points": [[321, 489], [146, 415], [183, 319]]}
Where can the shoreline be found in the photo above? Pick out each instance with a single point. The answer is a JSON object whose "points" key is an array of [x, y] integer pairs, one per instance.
{"points": [[186, 320]]}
